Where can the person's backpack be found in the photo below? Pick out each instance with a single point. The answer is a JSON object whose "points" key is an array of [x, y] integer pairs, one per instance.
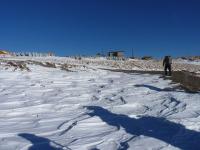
{"points": [[170, 60]]}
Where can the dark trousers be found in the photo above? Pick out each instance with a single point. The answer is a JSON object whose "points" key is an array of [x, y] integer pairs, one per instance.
{"points": [[168, 67]]}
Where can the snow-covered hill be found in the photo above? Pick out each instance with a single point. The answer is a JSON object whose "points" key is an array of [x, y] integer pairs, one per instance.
{"points": [[86, 108], [129, 64]]}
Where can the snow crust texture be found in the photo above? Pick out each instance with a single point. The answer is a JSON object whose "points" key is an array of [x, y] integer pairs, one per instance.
{"points": [[86, 108]]}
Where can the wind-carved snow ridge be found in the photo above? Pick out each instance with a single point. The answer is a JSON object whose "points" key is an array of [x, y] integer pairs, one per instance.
{"points": [[171, 106], [50, 108]]}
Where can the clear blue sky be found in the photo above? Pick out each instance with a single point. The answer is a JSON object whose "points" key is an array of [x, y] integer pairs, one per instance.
{"points": [[73, 27]]}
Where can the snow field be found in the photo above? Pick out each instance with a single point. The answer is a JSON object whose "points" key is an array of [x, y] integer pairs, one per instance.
{"points": [[49, 108]]}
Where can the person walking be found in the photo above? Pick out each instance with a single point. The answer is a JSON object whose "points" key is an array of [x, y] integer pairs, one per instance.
{"points": [[167, 63]]}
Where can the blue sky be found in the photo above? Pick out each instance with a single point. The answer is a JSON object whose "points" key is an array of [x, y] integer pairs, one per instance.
{"points": [[86, 27]]}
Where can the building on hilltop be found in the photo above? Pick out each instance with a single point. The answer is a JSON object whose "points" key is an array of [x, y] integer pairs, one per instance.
{"points": [[116, 54]]}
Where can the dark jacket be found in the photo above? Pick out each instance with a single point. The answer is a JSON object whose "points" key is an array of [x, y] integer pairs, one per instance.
{"points": [[167, 61]]}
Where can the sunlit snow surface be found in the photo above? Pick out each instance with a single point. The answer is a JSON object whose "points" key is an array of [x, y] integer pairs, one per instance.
{"points": [[51, 109]]}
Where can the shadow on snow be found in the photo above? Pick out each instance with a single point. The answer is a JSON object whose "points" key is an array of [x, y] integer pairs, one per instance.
{"points": [[159, 128], [156, 88], [40, 143], [173, 89]]}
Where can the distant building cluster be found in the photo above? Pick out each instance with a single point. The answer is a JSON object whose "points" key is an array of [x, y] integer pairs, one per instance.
{"points": [[29, 54], [32, 54]]}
